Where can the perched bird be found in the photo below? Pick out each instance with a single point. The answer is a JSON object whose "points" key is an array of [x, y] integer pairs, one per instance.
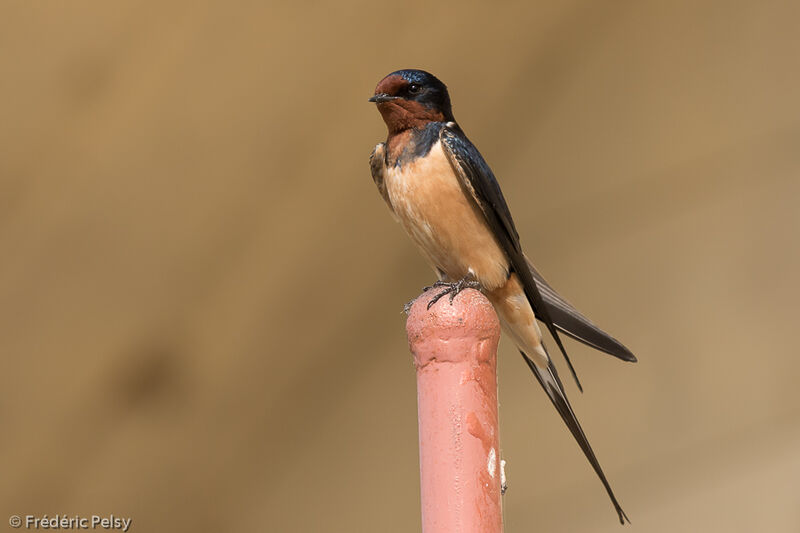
{"points": [[439, 188]]}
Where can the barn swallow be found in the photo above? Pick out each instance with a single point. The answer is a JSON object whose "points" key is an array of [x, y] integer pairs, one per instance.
{"points": [[439, 188]]}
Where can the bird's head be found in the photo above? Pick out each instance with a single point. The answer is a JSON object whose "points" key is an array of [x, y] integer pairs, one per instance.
{"points": [[411, 99]]}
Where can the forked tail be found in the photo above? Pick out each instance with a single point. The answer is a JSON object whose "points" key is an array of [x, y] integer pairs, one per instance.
{"points": [[551, 384]]}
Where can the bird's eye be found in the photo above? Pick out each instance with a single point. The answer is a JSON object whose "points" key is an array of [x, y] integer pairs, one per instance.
{"points": [[414, 88]]}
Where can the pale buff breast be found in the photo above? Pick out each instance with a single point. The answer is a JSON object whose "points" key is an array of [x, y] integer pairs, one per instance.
{"points": [[443, 220]]}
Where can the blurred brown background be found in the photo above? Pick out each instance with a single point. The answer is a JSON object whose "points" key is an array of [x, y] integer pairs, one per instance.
{"points": [[201, 289]]}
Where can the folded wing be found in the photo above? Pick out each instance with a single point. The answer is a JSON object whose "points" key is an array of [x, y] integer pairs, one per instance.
{"points": [[569, 320]]}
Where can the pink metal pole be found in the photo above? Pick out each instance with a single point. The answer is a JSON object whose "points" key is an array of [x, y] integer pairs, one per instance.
{"points": [[455, 354]]}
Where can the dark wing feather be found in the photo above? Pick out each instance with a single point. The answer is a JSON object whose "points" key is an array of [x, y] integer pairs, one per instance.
{"points": [[550, 382], [478, 178], [569, 320], [377, 166]]}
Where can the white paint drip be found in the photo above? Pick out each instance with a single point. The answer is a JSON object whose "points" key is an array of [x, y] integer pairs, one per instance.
{"points": [[492, 463], [503, 484]]}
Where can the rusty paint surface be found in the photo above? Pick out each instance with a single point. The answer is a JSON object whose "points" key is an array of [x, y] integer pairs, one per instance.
{"points": [[455, 349]]}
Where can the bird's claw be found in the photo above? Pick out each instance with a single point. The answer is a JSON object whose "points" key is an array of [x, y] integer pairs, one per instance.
{"points": [[439, 283], [452, 289]]}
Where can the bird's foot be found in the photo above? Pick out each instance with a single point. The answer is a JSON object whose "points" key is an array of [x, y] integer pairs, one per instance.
{"points": [[407, 306], [439, 283], [452, 289]]}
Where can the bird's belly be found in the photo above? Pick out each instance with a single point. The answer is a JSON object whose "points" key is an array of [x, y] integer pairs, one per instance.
{"points": [[444, 221]]}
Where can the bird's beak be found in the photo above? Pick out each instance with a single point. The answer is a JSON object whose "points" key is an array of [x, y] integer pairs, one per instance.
{"points": [[382, 97]]}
